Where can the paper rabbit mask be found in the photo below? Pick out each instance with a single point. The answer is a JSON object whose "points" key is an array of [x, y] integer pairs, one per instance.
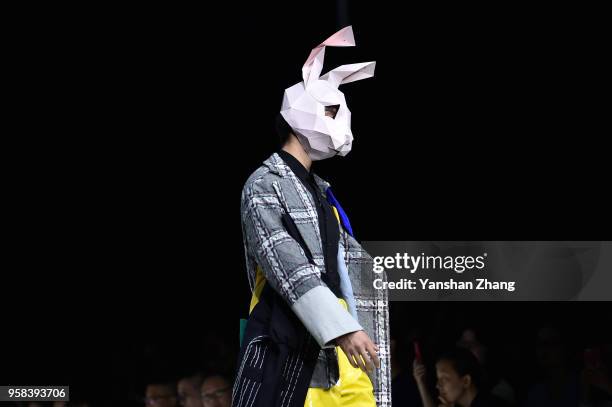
{"points": [[304, 104]]}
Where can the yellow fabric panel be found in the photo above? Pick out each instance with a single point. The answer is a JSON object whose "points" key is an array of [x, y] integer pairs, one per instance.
{"points": [[260, 281], [354, 387], [335, 213]]}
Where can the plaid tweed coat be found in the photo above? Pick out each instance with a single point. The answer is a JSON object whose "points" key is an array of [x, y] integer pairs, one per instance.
{"points": [[272, 192]]}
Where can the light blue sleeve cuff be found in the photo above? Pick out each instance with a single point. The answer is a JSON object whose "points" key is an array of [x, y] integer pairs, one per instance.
{"points": [[345, 284], [323, 316]]}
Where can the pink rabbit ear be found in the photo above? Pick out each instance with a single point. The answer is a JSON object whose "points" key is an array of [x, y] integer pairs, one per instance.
{"points": [[314, 64], [350, 73]]}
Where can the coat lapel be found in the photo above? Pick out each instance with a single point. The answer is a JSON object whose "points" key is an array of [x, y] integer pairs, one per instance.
{"points": [[300, 207]]}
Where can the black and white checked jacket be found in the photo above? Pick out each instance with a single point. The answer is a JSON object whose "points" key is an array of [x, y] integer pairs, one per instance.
{"points": [[273, 193]]}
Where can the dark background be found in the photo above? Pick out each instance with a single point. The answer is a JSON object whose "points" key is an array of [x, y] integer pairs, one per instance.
{"points": [[480, 124]]}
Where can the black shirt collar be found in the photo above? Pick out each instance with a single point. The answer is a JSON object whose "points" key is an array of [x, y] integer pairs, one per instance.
{"points": [[296, 166]]}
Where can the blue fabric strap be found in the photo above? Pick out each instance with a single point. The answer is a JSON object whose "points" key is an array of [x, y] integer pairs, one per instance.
{"points": [[343, 218]]}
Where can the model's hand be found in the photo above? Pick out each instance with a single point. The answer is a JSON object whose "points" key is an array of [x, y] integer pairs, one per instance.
{"points": [[359, 349]]}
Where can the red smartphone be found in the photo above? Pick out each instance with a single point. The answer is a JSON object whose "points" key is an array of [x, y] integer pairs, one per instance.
{"points": [[417, 352]]}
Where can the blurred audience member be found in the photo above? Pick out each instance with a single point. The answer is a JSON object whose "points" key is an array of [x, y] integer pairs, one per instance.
{"points": [[189, 391], [496, 385], [559, 385], [161, 395], [420, 376], [216, 391], [596, 377], [470, 342], [403, 386], [459, 383]]}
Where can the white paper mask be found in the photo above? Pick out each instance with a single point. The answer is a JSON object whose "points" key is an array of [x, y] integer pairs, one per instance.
{"points": [[304, 103]]}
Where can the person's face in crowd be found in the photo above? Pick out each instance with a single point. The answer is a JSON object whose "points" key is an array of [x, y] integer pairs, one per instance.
{"points": [[160, 395], [450, 385], [216, 392], [189, 392], [470, 342]]}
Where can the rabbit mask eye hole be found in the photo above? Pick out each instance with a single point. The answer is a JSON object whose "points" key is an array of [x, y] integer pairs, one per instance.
{"points": [[332, 110]]}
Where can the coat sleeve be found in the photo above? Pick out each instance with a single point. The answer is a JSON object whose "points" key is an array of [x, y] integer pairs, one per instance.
{"points": [[287, 269]]}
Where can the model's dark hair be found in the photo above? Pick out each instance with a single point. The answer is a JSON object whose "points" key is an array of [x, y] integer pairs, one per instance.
{"points": [[465, 363], [282, 129]]}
